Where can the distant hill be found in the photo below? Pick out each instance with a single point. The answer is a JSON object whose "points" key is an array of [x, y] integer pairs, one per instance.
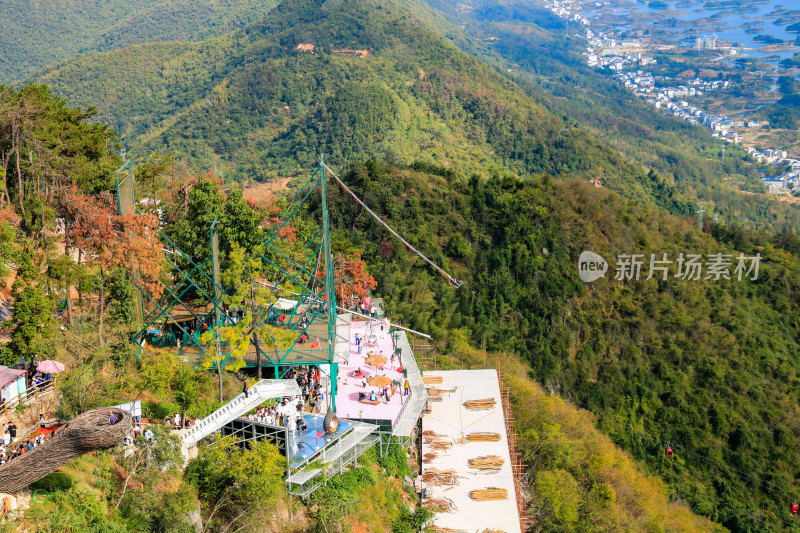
{"points": [[34, 34], [378, 82]]}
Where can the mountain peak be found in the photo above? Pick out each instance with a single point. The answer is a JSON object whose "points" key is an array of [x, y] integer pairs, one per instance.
{"points": [[340, 25]]}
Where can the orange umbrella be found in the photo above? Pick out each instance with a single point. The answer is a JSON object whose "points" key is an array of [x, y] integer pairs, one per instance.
{"points": [[379, 381], [376, 360]]}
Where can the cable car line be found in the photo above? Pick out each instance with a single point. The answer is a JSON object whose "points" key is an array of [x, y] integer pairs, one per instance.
{"points": [[453, 281]]}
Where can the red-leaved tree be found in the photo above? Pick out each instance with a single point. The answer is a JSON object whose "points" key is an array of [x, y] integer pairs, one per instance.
{"points": [[107, 240]]}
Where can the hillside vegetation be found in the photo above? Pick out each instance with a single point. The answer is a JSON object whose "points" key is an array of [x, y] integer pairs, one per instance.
{"points": [[253, 106], [709, 366], [77, 26], [112, 491]]}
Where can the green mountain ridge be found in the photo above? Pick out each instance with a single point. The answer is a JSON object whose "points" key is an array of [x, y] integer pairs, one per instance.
{"points": [[79, 26], [708, 366], [253, 106]]}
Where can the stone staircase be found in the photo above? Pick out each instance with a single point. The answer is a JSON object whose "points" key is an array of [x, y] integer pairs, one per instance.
{"points": [[257, 394]]}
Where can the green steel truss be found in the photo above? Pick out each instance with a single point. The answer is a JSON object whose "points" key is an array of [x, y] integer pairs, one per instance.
{"points": [[303, 283]]}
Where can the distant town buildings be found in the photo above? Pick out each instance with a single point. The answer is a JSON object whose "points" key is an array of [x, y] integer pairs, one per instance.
{"points": [[706, 43], [626, 60]]}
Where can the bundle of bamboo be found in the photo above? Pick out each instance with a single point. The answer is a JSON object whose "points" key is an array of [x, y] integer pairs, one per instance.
{"points": [[440, 443], [486, 462], [439, 529], [483, 436], [433, 476], [485, 495], [440, 505], [480, 405], [432, 380], [436, 441], [435, 391], [490, 530], [428, 457]]}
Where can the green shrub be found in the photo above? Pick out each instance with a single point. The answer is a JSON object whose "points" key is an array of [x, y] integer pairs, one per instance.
{"points": [[159, 410], [395, 462], [411, 522], [76, 510], [203, 409], [54, 482]]}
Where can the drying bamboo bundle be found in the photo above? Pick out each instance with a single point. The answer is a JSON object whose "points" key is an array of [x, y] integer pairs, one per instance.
{"points": [[428, 457], [483, 436], [490, 530], [435, 391], [434, 398], [479, 405], [436, 477], [429, 436], [439, 529], [486, 462], [432, 380], [440, 505], [440, 443], [485, 495]]}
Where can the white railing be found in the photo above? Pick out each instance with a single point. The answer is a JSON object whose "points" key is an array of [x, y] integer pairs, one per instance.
{"points": [[256, 395], [418, 395]]}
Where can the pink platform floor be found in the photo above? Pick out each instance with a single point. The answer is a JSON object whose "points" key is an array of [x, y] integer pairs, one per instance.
{"points": [[347, 404]]}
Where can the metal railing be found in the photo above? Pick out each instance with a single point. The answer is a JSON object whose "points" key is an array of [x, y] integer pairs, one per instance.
{"points": [[417, 395], [27, 397]]}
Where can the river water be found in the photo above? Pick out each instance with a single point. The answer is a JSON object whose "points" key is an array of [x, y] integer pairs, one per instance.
{"points": [[682, 21]]}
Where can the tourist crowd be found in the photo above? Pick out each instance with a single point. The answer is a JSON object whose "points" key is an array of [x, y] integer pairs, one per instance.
{"points": [[12, 446]]}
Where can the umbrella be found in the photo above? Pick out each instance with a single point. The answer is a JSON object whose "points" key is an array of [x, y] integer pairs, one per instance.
{"points": [[50, 367], [379, 381], [376, 360]]}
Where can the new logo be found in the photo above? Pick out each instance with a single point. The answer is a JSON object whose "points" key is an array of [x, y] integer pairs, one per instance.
{"points": [[591, 266]]}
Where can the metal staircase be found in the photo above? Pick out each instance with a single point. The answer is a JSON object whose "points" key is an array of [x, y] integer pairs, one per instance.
{"points": [[256, 395]]}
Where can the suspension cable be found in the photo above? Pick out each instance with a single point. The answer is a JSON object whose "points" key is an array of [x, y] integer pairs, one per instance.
{"points": [[453, 281]]}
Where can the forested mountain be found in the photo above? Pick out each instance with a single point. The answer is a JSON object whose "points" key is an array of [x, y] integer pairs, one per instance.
{"points": [[35, 34], [709, 366], [253, 105], [61, 164]]}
